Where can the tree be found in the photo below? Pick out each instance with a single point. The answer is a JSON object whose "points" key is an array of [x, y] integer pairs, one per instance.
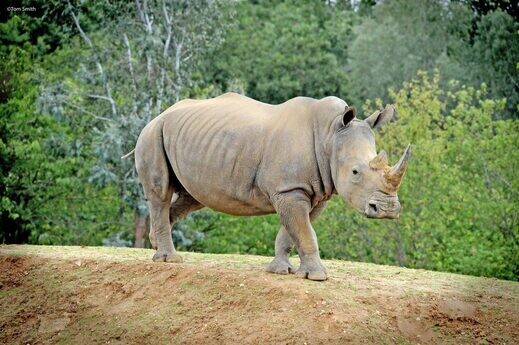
{"points": [[496, 56], [128, 74], [402, 37], [482, 7], [279, 50]]}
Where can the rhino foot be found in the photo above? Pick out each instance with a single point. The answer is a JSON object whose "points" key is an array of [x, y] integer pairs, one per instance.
{"points": [[314, 271], [165, 257], [280, 266]]}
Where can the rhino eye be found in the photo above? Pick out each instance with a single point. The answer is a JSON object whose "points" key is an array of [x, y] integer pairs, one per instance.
{"points": [[355, 171]]}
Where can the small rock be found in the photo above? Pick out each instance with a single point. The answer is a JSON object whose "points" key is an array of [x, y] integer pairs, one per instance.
{"points": [[53, 325]]}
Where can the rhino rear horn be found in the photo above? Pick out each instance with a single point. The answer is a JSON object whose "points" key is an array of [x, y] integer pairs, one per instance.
{"points": [[395, 174], [380, 161]]}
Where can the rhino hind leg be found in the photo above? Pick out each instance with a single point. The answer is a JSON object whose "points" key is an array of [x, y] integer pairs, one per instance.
{"points": [[156, 178], [160, 230], [284, 245], [165, 249], [182, 204]]}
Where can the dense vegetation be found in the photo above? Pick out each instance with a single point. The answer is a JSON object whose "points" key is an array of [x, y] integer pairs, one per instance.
{"points": [[79, 80]]}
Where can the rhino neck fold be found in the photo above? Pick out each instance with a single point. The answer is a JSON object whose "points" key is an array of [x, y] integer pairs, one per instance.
{"points": [[323, 137]]}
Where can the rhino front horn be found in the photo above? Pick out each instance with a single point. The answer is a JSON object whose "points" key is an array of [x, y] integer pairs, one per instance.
{"points": [[396, 172]]}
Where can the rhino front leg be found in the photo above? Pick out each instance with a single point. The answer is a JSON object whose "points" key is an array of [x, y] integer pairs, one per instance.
{"points": [[294, 209], [284, 245]]}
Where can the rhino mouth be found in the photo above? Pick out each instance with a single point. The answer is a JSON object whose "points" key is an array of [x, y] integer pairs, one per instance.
{"points": [[380, 205]]}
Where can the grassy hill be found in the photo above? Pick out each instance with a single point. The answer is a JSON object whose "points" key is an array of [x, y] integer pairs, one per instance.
{"points": [[92, 295]]}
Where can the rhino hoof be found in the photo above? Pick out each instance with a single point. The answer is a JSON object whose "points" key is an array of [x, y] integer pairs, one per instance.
{"points": [[319, 276], [280, 267], [314, 275], [163, 257]]}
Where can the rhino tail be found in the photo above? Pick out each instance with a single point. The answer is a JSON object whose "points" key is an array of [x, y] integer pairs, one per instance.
{"points": [[128, 154]]}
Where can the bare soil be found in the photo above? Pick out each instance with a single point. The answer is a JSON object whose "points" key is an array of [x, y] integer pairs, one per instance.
{"points": [[78, 295]]}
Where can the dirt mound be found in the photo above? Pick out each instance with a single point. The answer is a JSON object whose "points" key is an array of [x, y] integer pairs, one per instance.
{"points": [[118, 296]]}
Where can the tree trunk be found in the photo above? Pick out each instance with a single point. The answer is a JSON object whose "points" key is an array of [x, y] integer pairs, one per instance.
{"points": [[141, 229]]}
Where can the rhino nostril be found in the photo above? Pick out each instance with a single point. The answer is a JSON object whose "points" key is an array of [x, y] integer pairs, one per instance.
{"points": [[372, 207]]}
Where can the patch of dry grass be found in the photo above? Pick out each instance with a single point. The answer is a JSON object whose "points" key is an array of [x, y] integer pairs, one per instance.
{"points": [[52, 294]]}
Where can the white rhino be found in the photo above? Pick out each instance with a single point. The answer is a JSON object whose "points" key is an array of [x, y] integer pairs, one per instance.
{"points": [[243, 157]]}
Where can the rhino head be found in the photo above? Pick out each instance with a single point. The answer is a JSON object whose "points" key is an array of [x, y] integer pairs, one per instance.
{"points": [[362, 177]]}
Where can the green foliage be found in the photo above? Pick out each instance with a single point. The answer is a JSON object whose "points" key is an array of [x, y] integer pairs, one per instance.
{"points": [[384, 54], [43, 197], [402, 37], [279, 50], [482, 7], [474, 182], [228, 234], [496, 55]]}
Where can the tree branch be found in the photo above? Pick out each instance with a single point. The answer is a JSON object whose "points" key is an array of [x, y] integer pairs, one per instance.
{"points": [[97, 60], [132, 74], [143, 15], [99, 97], [178, 80], [130, 65], [167, 19], [87, 112]]}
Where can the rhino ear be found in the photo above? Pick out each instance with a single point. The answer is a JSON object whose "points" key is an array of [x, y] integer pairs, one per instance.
{"points": [[349, 114], [380, 118]]}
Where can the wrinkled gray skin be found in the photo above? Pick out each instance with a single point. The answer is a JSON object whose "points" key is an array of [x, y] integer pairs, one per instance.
{"points": [[243, 157]]}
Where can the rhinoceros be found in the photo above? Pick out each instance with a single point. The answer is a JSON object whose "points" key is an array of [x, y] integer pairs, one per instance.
{"points": [[243, 157]]}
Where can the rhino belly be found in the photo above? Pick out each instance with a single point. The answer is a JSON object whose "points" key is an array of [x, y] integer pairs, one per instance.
{"points": [[223, 202], [231, 196]]}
